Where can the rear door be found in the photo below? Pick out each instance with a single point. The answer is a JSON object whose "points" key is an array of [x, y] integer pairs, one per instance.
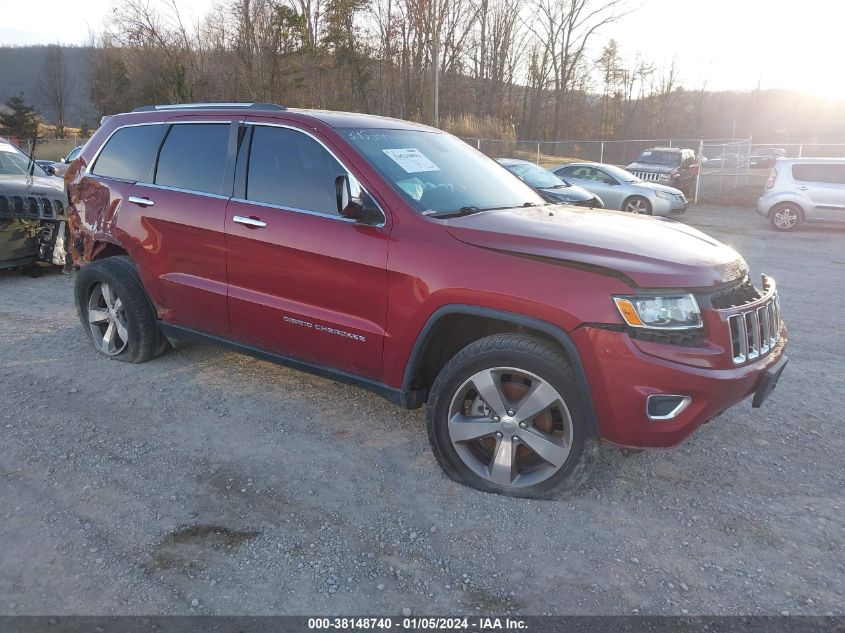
{"points": [[824, 185], [304, 282], [171, 221]]}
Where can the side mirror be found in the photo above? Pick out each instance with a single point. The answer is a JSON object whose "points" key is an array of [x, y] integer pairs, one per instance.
{"points": [[355, 203]]}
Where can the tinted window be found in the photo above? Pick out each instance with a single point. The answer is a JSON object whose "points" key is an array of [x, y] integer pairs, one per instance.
{"points": [[13, 163], [657, 157], [828, 173], [583, 172], [73, 154], [130, 152], [292, 170], [194, 157], [536, 176]]}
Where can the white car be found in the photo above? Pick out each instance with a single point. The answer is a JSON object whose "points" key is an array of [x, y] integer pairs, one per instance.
{"points": [[804, 190], [620, 189], [60, 167]]}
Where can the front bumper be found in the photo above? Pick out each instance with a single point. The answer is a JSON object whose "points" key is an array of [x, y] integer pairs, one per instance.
{"points": [[622, 376]]}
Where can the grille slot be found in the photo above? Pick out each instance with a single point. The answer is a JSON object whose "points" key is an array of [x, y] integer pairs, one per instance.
{"points": [[755, 332], [647, 175]]}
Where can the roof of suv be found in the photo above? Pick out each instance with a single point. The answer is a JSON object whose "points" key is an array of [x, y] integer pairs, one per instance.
{"points": [[330, 118]]}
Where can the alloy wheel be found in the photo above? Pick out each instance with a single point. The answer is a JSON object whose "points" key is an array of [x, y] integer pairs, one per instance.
{"points": [[510, 427], [786, 218], [107, 320], [636, 205]]}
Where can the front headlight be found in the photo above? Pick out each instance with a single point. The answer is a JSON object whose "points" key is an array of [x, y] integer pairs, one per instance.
{"points": [[665, 195], [670, 312], [664, 177]]}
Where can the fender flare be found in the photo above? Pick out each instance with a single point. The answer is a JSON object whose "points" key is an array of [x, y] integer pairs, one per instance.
{"points": [[554, 332]]}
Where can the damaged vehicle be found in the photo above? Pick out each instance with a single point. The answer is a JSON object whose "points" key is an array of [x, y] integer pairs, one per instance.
{"points": [[394, 256], [33, 208]]}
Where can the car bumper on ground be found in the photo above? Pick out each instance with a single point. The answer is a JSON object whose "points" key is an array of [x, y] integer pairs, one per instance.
{"points": [[622, 377]]}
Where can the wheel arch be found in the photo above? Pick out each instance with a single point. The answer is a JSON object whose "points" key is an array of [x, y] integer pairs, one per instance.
{"points": [[104, 249], [643, 196], [790, 201], [434, 347]]}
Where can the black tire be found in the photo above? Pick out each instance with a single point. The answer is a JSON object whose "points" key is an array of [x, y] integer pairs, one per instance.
{"points": [[638, 201], [523, 353], [145, 340], [780, 214]]}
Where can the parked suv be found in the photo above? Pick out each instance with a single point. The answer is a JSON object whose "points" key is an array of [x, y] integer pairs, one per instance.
{"points": [[393, 256], [671, 166], [804, 190]]}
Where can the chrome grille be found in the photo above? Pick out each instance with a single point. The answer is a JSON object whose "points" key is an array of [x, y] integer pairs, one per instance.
{"points": [[755, 332], [646, 175]]}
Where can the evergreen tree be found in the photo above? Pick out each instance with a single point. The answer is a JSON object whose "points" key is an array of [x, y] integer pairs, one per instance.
{"points": [[21, 120]]}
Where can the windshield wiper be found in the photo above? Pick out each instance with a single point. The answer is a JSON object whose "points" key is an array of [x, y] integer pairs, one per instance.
{"points": [[472, 209], [454, 213]]}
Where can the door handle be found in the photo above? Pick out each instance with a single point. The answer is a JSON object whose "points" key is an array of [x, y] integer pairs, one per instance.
{"points": [[802, 187], [253, 222], [144, 202]]}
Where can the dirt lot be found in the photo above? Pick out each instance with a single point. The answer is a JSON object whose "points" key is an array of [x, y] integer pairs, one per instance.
{"points": [[208, 482]]}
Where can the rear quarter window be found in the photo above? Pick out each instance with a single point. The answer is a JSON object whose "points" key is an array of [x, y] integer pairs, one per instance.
{"points": [[821, 172], [193, 157], [130, 153]]}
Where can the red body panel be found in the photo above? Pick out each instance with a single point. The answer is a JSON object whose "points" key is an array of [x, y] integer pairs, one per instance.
{"points": [[286, 288], [621, 377], [180, 249], [356, 298]]}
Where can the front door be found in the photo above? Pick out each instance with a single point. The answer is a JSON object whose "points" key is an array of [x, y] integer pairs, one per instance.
{"points": [[304, 282]]}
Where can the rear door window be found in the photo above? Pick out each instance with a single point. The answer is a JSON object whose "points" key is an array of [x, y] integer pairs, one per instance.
{"points": [[130, 153], [193, 157], [829, 173], [292, 170]]}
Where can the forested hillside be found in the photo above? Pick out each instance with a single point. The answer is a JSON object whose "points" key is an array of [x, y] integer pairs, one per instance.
{"points": [[513, 69], [23, 69]]}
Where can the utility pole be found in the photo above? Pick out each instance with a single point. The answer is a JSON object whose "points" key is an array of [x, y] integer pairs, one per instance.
{"points": [[435, 61]]}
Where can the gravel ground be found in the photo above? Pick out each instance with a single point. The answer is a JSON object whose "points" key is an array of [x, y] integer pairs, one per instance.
{"points": [[208, 482]]}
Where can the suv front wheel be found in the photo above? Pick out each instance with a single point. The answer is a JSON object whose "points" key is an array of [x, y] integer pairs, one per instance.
{"points": [[116, 313], [505, 416]]}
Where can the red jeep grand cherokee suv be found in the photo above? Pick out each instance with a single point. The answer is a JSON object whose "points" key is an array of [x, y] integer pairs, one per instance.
{"points": [[393, 256]]}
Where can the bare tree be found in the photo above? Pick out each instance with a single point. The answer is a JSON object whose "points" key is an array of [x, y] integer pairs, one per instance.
{"points": [[565, 27], [54, 87]]}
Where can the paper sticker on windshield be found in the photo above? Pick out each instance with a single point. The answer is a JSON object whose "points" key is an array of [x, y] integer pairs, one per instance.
{"points": [[411, 160]]}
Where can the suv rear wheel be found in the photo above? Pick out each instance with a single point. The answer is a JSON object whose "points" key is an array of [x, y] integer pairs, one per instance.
{"points": [[116, 312], [505, 416], [786, 216]]}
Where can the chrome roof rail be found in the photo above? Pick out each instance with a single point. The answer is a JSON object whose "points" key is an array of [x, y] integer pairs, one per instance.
{"points": [[210, 106]]}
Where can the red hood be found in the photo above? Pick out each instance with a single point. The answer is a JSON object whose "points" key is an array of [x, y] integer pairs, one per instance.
{"points": [[654, 253]]}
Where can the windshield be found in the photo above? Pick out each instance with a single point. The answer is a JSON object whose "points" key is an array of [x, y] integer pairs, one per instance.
{"points": [[620, 174], [660, 158], [536, 176], [437, 172], [13, 163]]}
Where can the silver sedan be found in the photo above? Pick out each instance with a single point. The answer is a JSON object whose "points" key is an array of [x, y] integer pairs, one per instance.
{"points": [[620, 189]]}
